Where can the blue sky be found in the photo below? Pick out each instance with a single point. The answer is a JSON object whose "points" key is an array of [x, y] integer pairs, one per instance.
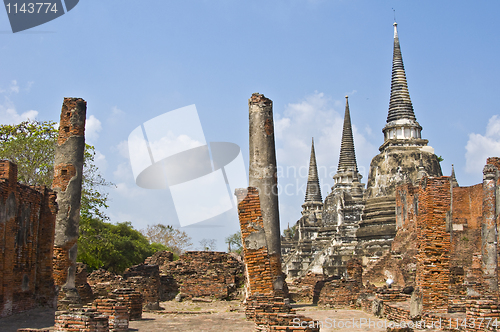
{"points": [[133, 61]]}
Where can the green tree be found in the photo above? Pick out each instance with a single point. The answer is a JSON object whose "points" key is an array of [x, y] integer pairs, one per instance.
{"points": [[31, 145], [290, 231], [113, 247], [234, 242], [177, 241], [94, 198]]}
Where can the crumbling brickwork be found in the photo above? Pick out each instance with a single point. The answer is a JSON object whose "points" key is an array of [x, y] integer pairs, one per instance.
{"points": [[160, 258], [27, 218], [131, 299], [433, 258], [146, 280], [104, 282], [258, 264], [117, 314], [83, 287], [307, 288], [339, 293], [264, 305], [202, 274], [82, 319]]}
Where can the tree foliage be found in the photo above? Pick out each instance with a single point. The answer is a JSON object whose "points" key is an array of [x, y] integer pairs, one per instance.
{"points": [[234, 242], [177, 241], [94, 199], [31, 145], [113, 247]]}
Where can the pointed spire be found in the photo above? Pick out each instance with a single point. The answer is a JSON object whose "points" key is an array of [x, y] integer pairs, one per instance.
{"points": [[347, 159], [400, 106], [313, 190], [454, 182]]}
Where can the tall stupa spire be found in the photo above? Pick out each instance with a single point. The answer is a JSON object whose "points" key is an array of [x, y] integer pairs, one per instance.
{"points": [[347, 172], [313, 191], [400, 106], [402, 128], [313, 203], [347, 159]]}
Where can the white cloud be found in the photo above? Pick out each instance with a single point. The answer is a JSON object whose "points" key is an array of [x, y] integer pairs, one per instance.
{"points": [[122, 148], [123, 172], [100, 161], [480, 147], [29, 85], [115, 115], [116, 111], [315, 117], [14, 87], [123, 189], [92, 128], [9, 114]]}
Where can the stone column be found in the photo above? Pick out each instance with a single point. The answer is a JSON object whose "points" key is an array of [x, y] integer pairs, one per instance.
{"points": [[68, 169], [263, 176], [489, 230]]}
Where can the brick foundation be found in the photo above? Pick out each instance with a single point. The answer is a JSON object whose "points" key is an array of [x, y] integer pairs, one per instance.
{"points": [[339, 293], [130, 299], [85, 319], [116, 312]]}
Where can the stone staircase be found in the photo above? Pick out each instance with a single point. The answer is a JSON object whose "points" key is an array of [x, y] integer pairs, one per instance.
{"points": [[377, 227], [376, 263]]}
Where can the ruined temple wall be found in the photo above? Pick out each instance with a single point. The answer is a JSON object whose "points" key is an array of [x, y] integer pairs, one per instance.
{"points": [[467, 207], [433, 258], [27, 217], [465, 240]]}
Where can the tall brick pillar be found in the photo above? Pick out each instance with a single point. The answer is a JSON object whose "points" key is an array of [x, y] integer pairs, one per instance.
{"points": [[263, 176], [433, 242], [489, 234], [68, 169]]}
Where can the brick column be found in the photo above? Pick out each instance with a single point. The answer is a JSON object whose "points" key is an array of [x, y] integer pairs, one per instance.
{"points": [[68, 169], [433, 258], [253, 237], [489, 234], [263, 176]]}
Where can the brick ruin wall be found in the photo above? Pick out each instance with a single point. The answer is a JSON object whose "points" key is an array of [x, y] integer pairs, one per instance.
{"points": [[210, 274], [465, 241], [203, 274], [433, 257], [27, 219], [268, 309], [445, 223]]}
